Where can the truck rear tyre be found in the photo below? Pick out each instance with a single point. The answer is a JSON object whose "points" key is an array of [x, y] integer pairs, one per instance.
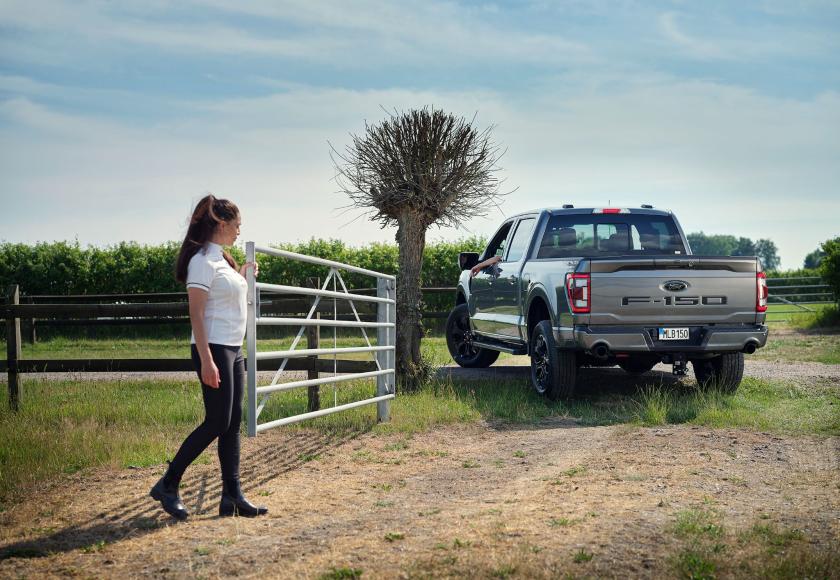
{"points": [[723, 372], [459, 341], [553, 372]]}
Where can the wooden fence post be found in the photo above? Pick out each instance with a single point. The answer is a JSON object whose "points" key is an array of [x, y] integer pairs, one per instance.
{"points": [[313, 337], [13, 349]]}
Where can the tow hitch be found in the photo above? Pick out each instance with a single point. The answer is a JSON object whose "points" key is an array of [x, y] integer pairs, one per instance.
{"points": [[680, 365]]}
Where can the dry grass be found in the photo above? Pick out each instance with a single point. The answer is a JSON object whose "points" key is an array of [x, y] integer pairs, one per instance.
{"points": [[395, 504]]}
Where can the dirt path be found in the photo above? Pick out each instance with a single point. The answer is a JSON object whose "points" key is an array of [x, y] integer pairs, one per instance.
{"points": [[513, 368], [457, 501], [592, 380]]}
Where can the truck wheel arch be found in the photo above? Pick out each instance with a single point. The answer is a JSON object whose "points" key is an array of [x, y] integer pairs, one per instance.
{"points": [[538, 310], [460, 297]]}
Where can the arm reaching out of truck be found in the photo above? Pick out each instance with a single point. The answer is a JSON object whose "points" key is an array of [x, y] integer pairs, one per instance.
{"points": [[481, 265]]}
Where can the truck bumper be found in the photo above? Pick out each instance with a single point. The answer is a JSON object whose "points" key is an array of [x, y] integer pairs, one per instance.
{"points": [[703, 339]]}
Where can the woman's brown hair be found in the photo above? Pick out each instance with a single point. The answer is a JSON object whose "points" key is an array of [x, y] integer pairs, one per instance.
{"points": [[209, 212]]}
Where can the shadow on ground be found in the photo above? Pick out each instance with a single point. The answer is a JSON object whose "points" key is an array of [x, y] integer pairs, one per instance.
{"points": [[108, 523], [592, 382]]}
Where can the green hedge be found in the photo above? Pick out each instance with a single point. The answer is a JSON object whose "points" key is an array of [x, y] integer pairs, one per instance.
{"points": [[127, 267], [830, 265]]}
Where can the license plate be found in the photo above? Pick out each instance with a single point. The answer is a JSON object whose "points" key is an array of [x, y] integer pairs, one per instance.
{"points": [[673, 334]]}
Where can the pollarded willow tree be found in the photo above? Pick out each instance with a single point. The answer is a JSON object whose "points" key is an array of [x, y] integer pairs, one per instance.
{"points": [[414, 170]]}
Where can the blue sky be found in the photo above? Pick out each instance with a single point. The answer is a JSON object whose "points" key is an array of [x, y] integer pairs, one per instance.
{"points": [[115, 117]]}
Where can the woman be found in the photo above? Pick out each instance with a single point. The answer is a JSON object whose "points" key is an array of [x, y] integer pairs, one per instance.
{"points": [[216, 289]]}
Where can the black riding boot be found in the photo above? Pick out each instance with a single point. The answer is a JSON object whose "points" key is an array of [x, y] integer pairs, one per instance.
{"points": [[166, 492], [234, 503]]}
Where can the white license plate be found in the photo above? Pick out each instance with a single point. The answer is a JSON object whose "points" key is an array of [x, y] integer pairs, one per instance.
{"points": [[673, 334]]}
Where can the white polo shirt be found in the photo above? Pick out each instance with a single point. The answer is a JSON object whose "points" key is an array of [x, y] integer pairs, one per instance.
{"points": [[227, 306]]}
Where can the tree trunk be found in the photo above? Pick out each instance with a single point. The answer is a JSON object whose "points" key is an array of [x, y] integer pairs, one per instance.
{"points": [[411, 239]]}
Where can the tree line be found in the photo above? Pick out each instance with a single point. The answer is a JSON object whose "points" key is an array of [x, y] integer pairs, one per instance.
{"points": [[129, 267], [727, 245]]}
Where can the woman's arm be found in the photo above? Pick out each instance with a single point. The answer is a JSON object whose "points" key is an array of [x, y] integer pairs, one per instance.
{"points": [[481, 265], [198, 302]]}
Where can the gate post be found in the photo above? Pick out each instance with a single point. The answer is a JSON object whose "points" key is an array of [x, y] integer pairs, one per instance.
{"points": [[313, 338], [251, 341], [385, 337], [13, 348]]}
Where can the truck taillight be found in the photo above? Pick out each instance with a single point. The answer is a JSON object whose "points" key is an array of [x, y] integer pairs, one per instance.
{"points": [[578, 292], [762, 292]]}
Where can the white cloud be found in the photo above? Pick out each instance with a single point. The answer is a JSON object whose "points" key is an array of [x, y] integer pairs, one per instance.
{"points": [[719, 38], [373, 32], [726, 160], [112, 155], [693, 46]]}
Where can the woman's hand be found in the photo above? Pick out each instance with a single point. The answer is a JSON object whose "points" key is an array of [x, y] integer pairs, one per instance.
{"points": [[210, 374], [243, 270], [475, 270]]}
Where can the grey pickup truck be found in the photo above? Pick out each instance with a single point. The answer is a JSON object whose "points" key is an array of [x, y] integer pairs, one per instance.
{"points": [[576, 287]]}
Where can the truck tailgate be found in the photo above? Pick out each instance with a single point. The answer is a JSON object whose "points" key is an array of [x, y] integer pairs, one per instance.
{"points": [[664, 290]]}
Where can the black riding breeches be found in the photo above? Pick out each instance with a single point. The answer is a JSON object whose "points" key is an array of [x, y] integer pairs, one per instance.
{"points": [[223, 413]]}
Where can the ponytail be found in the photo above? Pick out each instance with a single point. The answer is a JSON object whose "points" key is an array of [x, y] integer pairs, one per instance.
{"points": [[209, 212]]}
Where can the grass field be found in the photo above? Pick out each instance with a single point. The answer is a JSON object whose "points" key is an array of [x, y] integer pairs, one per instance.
{"points": [[783, 346], [66, 426], [805, 316], [822, 348]]}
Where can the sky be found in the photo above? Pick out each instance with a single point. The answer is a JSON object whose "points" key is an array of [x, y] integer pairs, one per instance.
{"points": [[116, 117]]}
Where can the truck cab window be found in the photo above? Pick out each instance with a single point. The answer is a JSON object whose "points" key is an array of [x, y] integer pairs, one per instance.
{"points": [[519, 242], [566, 239], [612, 237], [607, 235], [498, 243]]}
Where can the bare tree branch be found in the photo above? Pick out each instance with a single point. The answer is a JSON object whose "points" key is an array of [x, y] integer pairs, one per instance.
{"points": [[429, 163]]}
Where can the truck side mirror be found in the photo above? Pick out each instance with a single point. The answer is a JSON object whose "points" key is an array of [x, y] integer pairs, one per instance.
{"points": [[467, 260]]}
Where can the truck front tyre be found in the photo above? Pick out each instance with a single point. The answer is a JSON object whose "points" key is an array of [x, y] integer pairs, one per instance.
{"points": [[553, 372], [723, 372], [459, 341]]}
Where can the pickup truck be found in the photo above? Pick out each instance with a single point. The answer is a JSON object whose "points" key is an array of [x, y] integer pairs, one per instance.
{"points": [[576, 287]]}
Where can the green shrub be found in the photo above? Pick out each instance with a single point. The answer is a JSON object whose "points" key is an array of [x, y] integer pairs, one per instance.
{"points": [[67, 268], [830, 266]]}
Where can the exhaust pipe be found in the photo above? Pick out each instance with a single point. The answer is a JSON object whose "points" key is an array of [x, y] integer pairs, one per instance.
{"points": [[601, 351], [749, 348]]}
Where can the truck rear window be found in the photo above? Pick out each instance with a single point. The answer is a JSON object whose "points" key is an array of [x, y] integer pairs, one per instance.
{"points": [[582, 235]]}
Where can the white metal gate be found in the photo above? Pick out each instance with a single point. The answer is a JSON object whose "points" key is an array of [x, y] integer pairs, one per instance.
{"points": [[385, 326]]}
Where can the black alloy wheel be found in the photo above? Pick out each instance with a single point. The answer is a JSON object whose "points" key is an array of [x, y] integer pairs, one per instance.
{"points": [[459, 341], [553, 371], [540, 364]]}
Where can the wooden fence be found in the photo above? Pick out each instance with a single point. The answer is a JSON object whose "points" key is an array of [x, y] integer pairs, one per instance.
{"points": [[172, 308], [161, 308]]}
